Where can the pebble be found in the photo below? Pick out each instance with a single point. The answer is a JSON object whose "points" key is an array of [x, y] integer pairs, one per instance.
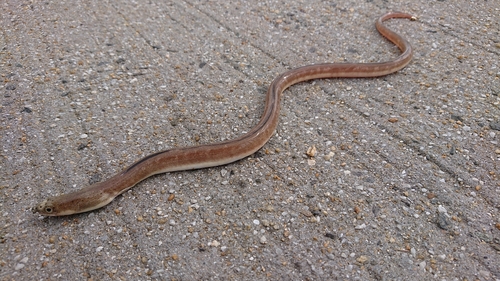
{"points": [[263, 240], [422, 265], [443, 221], [362, 259], [329, 156], [98, 249], [256, 222], [495, 126], [83, 136], [311, 151], [279, 251], [362, 226], [19, 266], [442, 209]]}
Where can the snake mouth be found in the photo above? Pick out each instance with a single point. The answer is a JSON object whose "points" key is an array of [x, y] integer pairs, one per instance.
{"points": [[36, 209], [40, 208]]}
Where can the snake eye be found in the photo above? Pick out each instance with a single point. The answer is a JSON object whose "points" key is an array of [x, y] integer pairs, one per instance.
{"points": [[48, 210]]}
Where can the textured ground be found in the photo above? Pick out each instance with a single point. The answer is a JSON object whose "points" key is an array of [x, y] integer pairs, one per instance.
{"points": [[404, 185]]}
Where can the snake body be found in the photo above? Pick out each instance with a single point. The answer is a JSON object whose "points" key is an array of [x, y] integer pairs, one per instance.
{"points": [[100, 194]]}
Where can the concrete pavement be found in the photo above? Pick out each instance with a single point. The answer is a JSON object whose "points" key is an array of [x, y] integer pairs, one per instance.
{"points": [[404, 184]]}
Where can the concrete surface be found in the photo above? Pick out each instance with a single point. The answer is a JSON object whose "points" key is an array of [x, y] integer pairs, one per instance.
{"points": [[404, 184]]}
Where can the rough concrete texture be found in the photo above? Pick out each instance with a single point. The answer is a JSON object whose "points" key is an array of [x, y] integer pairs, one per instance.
{"points": [[404, 184]]}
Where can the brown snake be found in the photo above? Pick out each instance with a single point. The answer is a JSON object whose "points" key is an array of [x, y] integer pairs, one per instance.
{"points": [[215, 154]]}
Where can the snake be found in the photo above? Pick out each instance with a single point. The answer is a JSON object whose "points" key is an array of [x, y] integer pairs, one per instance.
{"points": [[221, 153]]}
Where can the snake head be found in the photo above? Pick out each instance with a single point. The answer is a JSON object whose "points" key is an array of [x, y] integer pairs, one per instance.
{"points": [[45, 208]]}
